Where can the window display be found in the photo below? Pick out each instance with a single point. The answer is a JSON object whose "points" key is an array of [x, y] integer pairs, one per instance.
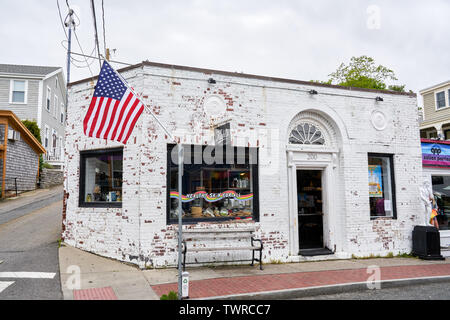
{"points": [[381, 186], [441, 192], [219, 190], [101, 178]]}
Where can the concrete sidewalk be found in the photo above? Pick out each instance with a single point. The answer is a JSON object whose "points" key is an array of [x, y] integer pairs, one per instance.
{"points": [[103, 278]]}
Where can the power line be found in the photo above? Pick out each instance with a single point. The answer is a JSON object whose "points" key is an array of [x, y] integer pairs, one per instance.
{"points": [[60, 18], [95, 30], [119, 62], [85, 57], [104, 32]]}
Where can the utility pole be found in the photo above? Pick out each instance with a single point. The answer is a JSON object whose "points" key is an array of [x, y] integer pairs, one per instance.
{"points": [[70, 23]]}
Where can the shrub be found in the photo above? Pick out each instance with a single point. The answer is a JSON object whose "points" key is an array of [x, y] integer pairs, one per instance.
{"points": [[172, 295]]}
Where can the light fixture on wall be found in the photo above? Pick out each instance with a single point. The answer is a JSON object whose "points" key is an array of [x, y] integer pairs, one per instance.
{"points": [[378, 99], [211, 81], [312, 91]]}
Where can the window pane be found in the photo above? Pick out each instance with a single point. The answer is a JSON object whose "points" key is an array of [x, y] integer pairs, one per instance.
{"points": [[380, 187], [213, 189], [103, 178], [19, 85], [441, 192], [440, 99], [18, 96]]}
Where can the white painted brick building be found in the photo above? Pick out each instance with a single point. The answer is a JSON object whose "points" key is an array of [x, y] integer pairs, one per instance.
{"points": [[262, 112]]}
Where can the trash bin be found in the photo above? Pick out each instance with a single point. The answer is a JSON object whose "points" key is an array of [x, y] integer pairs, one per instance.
{"points": [[427, 243]]}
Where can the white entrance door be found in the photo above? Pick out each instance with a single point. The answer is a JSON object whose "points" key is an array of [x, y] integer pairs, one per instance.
{"points": [[319, 160]]}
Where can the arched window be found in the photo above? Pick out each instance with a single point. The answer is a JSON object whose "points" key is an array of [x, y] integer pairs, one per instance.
{"points": [[306, 133]]}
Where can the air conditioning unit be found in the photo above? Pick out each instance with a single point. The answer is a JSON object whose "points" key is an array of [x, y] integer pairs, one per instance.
{"points": [[13, 135]]}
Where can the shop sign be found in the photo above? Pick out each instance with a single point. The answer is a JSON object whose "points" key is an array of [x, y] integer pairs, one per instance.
{"points": [[435, 154], [212, 197]]}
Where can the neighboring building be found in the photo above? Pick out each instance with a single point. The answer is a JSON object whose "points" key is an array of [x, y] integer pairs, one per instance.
{"points": [[37, 93], [436, 112], [435, 133], [338, 170], [19, 155]]}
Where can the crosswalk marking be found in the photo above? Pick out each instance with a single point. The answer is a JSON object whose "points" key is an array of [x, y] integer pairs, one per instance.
{"points": [[5, 284], [28, 275]]}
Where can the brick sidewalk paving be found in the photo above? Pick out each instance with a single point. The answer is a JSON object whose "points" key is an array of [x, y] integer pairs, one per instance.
{"points": [[106, 293], [274, 282]]}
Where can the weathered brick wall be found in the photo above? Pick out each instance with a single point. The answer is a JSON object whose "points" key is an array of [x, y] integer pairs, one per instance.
{"points": [[260, 110], [51, 177], [22, 163]]}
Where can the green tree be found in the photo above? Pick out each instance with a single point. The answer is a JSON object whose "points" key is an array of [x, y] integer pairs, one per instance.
{"points": [[33, 127], [362, 72]]}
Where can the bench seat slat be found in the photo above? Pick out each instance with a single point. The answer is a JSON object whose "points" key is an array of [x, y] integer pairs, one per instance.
{"points": [[217, 230], [223, 248], [217, 236]]}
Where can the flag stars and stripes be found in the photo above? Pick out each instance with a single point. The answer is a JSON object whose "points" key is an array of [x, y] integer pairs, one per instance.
{"points": [[114, 108]]}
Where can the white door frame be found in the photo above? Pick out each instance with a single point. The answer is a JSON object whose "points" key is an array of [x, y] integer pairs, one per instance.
{"points": [[312, 158]]}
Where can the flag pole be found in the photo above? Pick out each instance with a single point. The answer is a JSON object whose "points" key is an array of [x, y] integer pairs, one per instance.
{"points": [[180, 193], [180, 199]]}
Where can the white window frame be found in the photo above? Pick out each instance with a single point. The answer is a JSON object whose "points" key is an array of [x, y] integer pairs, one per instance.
{"points": [[61, 148], [48, 98], [56, 82], [54, 142], [436, 100], [56, 102], [11, 89], [46, 137], [61, 114]]}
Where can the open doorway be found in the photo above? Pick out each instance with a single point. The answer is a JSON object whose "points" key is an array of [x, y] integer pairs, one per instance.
{"points": [[310, 212]]}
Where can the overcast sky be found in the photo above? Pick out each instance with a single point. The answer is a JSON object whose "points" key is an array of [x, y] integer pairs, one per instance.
{"points": [[304, 40]]}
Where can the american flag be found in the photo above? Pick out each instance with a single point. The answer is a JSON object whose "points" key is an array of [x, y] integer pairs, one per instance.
{"points": [[114, 108]]}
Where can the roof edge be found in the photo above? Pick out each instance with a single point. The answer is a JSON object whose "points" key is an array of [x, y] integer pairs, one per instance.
{"points": [[36, 145], [434, 87], [246, 75]]}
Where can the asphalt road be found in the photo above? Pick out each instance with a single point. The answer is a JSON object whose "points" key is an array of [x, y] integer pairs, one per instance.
{"points": [[23, 207], [30, 244], [431, 291]]}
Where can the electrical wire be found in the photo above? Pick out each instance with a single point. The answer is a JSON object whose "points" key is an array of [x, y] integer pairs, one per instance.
{"points": [[103, 23], [96, 33], [85, 58], [60, 17]]}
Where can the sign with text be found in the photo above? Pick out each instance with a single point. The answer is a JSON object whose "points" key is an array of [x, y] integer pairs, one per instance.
{"points": [[435, 153]]}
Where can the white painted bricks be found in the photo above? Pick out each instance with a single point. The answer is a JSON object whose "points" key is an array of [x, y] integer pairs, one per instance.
{"points": [[260, 110]]}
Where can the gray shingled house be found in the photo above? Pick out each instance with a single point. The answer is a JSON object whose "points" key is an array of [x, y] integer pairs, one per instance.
{"points": [[37, 93], [19, 155]]}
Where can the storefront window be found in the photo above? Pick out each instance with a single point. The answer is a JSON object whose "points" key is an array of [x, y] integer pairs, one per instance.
{"points": [[216, 185], [101, 178], [381, 186], [441, 192]]}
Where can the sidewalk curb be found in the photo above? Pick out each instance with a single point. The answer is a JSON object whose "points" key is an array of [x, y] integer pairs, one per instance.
{"points": [[327, 289]]}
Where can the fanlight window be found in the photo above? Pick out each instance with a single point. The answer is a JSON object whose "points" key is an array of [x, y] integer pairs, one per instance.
{"points": [[306, 133]]}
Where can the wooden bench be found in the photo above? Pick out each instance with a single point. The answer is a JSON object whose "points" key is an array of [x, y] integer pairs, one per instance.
{"points": [[226, 234]]}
